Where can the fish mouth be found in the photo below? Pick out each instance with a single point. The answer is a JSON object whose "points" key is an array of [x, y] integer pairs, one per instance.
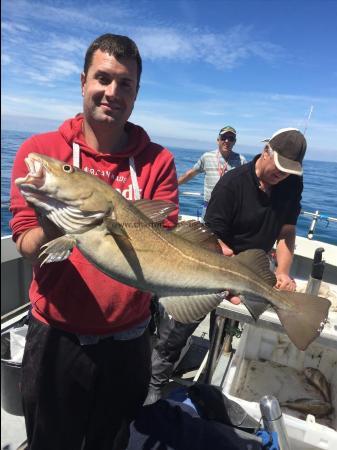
{"points": [[40, 192], [36, 176]]}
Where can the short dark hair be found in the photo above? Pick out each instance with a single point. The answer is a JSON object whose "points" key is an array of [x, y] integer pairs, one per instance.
{"points": [[116, 45]]}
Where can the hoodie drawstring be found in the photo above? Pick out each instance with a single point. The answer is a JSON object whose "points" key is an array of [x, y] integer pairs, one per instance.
{"points": [[133, 173], [76, 155], [134, 179]]}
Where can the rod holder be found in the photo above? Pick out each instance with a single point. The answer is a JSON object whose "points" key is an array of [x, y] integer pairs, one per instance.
{"points": [[317, 270], [273, 420]]}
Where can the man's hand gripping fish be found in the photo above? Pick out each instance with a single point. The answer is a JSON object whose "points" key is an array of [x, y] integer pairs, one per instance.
{"points": [[125, 240]]}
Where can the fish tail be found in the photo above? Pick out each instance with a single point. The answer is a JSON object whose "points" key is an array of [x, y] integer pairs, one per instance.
{"points": [[304, 320]]}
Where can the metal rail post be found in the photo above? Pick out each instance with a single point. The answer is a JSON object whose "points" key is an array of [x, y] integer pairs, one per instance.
{"points": [[214, 348]]}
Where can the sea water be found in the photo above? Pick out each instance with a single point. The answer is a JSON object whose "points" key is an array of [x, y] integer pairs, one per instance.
{"points": [[319, 192]]}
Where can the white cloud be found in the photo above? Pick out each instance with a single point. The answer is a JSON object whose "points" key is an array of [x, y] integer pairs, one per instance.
{"points": [[13, 27], [48, 107], [5, 59], [50, 74], [91, 16], [163, 43], [68, 44], [175, 43], [222, 50]]}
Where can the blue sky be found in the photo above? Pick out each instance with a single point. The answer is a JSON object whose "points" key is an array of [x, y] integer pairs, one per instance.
{"points": [[256, 65]]}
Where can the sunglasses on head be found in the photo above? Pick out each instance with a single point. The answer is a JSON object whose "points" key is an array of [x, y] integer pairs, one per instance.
{"points": [[228, 137]]}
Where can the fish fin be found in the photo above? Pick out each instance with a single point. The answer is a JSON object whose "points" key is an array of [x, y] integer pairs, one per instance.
{"points": [[257, 261], [155, 210], [124, 243], [191, 308], [256, 305], [305, 319], [126, 247], [58, 249], [115, 228], [198, 233], [121, 237]]}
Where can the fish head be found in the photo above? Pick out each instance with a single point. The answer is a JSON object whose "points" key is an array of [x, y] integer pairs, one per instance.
{"points": [[71, 198]]}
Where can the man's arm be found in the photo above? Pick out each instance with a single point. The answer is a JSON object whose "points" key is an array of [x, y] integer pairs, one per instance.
{"points": [[187, 176], [30, 241], [219, 212], [284, 254]]}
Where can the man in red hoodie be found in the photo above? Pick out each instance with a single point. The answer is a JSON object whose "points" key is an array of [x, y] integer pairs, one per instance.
{"points": [[87, 360]]}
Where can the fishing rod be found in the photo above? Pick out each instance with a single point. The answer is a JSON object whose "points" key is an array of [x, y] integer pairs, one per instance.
{"points": [[308, 118]]}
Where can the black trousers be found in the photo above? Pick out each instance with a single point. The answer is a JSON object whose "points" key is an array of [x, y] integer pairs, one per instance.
{"points": [[167, 347], [81, 397]]}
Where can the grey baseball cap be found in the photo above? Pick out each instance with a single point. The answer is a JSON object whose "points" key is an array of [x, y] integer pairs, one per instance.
{"points": [[289, 146]]}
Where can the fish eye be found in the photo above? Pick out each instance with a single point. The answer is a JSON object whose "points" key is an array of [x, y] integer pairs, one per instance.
{"points": [[68, 168]]}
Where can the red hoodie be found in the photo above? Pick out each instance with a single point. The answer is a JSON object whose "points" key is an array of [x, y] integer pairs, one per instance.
{"points": [[73, 295]]}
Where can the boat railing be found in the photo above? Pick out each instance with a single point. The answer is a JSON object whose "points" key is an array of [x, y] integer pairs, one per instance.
{"points": [[16, 275], [316, 216]]}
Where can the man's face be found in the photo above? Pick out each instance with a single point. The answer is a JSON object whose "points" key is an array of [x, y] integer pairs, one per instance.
{"points": [[226, 142], [109, 89], [270, 174]]}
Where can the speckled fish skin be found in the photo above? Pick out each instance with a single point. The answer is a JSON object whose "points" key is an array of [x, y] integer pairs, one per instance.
{"points": [[318, 380]]}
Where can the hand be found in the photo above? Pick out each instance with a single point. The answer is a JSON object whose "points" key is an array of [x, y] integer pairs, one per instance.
{"points": [[227, 251], [285, 282], [226, 295], [234, 299]]}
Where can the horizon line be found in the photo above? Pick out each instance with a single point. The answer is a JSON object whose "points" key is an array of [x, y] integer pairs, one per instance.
{"points": [[181, 147]]}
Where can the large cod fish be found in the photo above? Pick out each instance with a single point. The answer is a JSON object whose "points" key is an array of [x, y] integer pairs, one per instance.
{"points": [[126, 241]]}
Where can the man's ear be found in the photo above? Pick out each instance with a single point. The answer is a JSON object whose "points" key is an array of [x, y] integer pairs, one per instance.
{"points": [[83, 79], [265, 151]]}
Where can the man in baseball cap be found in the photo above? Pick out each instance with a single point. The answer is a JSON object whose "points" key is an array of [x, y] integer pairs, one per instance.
{"points": [[215, 163], [288, 146]]}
